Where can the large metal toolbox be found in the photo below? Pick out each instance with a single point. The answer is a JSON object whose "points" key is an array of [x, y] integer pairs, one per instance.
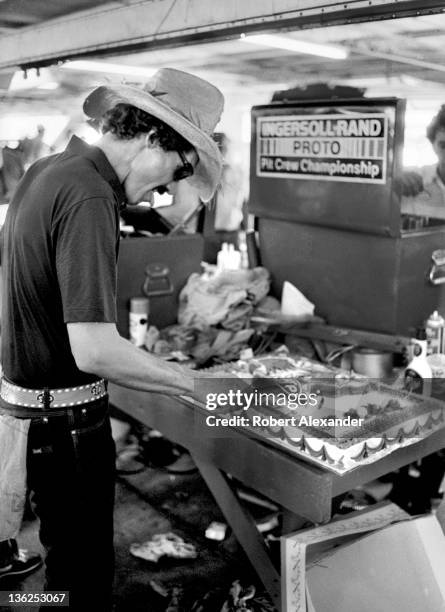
{"points": [[339, 238], [158, 266], [281, 190], [356, 280]]}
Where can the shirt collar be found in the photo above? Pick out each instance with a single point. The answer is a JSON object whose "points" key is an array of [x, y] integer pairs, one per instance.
{"points": [[97, 156]]}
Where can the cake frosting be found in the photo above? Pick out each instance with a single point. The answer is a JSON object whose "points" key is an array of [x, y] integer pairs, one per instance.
{"points": [[354, 421]]}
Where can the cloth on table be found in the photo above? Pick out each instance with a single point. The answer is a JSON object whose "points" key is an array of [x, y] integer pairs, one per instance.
{"points": [[214, 315], [226, 299], [221, 343], [202, 344]]}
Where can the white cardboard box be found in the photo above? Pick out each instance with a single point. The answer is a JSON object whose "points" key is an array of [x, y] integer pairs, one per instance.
{"points": [[368, 561]]}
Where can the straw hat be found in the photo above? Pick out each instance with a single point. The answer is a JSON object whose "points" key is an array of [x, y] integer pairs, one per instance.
{"points": [[188, 104]]}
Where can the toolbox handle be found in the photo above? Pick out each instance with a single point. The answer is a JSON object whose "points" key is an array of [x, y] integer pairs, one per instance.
{"points": [[438, 258], [157, 281]]}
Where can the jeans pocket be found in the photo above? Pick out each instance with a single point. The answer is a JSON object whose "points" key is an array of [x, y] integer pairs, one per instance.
{"points": [[85, 429], [83, 424], [94, 449]]}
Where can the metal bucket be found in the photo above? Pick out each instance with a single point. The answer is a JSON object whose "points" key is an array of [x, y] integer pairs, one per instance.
{"points": [[372, 363]]}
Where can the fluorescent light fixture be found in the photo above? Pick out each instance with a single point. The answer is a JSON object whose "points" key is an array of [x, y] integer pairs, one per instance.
{"points": [[50, 85], [89, 66], [34, 78], [297, 46]]}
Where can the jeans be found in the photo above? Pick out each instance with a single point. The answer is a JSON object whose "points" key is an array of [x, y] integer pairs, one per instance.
{"points": [[71, 474]]}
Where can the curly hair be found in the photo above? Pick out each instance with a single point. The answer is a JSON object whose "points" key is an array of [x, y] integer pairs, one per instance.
{"points": [[126, 122], [437, 123]]}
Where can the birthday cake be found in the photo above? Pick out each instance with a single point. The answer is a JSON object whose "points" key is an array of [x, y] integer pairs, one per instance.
{"points": [[332, 417]]}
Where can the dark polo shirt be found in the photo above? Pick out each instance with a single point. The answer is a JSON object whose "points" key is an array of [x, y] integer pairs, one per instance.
{"points": [[60, 245]]}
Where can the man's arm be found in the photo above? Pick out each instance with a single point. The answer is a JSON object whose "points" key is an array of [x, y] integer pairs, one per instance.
{"points": [[99, 349]]}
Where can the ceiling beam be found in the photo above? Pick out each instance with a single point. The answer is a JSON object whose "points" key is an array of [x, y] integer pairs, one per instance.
{"points": [[398, 59], [148, 24]]}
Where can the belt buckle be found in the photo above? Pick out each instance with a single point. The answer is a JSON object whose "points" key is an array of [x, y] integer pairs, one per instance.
{"points": [[96, 389], [45, 398]]}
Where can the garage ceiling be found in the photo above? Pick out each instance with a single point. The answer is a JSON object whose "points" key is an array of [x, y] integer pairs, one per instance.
{"points": [[403, 57], [16, 14]]}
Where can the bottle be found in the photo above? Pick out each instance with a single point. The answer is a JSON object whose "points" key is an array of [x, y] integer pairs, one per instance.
{"points": [[138, 319], [244, 259], [228, 258], [234, 262], [434, 328], [221, 258], [418, 373]]}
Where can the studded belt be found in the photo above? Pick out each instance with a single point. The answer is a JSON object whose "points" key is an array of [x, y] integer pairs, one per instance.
{"points": [[52, 398]]}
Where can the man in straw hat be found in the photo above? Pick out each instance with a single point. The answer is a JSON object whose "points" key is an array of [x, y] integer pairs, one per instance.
{"points": [[59, 340]]}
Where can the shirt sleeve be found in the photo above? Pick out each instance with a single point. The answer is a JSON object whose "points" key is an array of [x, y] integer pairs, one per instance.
{"points": [[85, 255]]}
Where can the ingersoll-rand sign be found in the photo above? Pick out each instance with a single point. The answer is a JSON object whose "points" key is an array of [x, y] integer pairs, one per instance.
{"points": [[331, 147]]}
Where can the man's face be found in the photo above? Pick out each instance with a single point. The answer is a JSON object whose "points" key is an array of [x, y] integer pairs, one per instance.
{"points": [[153, 167], [439, 146]]}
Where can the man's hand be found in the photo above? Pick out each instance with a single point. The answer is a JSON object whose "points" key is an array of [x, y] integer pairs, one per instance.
{"points": [[410, 184]]}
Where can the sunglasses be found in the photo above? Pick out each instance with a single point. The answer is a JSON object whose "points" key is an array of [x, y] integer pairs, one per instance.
{"points": [[185, 171]]}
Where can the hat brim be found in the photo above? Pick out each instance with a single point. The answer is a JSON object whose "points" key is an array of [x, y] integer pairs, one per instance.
{"points": [[209, 168]]}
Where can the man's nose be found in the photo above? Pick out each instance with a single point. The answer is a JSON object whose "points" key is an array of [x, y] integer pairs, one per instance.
{"points": [[172, 188]]}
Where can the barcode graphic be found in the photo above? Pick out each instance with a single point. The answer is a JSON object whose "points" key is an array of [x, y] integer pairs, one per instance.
{"points": [[351, 148]]}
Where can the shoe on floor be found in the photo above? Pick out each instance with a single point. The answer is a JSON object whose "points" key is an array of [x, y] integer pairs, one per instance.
{"points": [[24, 563]]}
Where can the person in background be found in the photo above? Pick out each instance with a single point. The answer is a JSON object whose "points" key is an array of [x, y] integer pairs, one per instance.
{"points": [[11, 171], [227, 206], [230, 196], [34, 148], [59, 338], [423, 189], [222, 220]]}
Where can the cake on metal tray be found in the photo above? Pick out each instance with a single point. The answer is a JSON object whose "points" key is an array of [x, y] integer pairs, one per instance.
{"points": [[332, 417]]}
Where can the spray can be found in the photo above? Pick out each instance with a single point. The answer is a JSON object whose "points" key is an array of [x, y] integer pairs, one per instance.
{"points": [[418, 373], [138, 320], [434, 328]]}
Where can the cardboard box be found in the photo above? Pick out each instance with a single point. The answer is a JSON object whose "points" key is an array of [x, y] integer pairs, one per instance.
{"points": [[396, 569], [369, 561]]}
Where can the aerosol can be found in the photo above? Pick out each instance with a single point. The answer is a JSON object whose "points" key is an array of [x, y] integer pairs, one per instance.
{"points": [[138, 320], [434, 328], [418, 373]]}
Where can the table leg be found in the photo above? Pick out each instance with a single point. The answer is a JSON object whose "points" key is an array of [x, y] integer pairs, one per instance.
{"points": [[243, 527]]}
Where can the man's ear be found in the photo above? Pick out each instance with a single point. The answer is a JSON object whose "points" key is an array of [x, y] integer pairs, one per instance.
{"points": [[151, 139]]}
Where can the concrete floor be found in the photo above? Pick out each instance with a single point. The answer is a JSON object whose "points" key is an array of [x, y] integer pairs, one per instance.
{"points": [[154, 502]]}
